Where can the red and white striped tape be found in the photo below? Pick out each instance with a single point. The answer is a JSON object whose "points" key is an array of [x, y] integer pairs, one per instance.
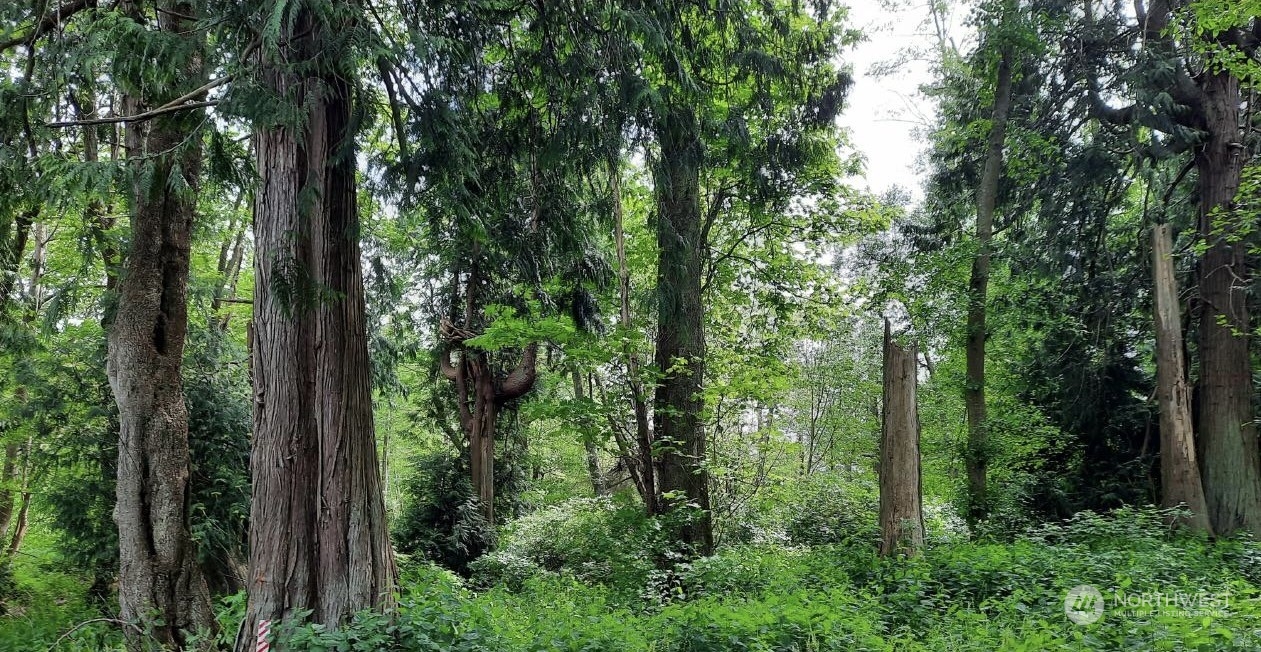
{"points": [[264, 630]]}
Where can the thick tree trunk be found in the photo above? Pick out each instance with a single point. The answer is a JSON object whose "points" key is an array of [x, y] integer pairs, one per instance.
{"points": [[901, 513], [978, 290], [318, 535], [1179, 473], [160, 584], [678, 403], [1229, 464]]}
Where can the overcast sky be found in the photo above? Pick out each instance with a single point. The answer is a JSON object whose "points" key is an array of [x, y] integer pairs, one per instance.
{"points": [[886, 112]]}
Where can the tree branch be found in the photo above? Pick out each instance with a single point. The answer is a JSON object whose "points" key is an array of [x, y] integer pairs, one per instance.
{"points": [[180, 103], [48, 22], [139, 117], [444, 364], [521, 380]]}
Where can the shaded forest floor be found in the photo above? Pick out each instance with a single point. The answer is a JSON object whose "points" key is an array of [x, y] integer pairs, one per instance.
{"points": [[545, 590]]}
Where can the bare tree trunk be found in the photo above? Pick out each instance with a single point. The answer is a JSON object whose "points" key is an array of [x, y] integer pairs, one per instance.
{"points": [[482, 440], [10, 265], [978, 290], [24, 493], [1229, 464], [901, 513], [22, 523], [1179, 473], [8, 475], [318, 534], [21, 526], [231, 255], [639, 404], [160, 583], [678, 403], [480, 394], [588, 444]]}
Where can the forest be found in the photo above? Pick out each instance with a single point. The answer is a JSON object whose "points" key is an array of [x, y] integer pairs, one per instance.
{"points": [[596, 326]]}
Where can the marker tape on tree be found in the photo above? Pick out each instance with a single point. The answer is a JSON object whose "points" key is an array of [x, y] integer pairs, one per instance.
{"points": [[264, 630]]}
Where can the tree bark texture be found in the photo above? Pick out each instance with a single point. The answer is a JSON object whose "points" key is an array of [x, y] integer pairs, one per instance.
{"points": [[901, 512], [679, 441], [318, 534], [1230, 460], [160, 585], [978, 289], [1179, 472]]}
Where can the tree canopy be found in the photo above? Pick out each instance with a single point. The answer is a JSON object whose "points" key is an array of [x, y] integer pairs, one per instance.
{"points": [[487, 325]]}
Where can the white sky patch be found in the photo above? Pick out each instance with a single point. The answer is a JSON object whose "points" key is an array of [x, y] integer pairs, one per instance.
{"points": [[886, 113]]}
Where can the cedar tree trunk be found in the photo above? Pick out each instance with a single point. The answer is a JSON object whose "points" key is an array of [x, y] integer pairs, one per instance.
{"points": [[318, 534], [1229, 464]]}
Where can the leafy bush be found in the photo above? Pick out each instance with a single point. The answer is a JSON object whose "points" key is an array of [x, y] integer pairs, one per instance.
{"points": [[816, 509], [442, 521], [47, 598], [604, 541], [219, 425]]}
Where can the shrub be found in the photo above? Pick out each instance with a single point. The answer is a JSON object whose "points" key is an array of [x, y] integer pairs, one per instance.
{"points": [[442, 521], [605, 541]]}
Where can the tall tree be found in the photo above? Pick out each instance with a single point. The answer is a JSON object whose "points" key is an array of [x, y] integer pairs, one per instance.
{"points": [[1194, 100], [318, 536], [678, 402], [502, 186], [160, 583], [978, 290], [739, 103]]}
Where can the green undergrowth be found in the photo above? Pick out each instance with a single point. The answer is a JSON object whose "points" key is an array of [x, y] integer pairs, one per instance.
{"points": [[619, 589], [43, 598], [956, 596]]}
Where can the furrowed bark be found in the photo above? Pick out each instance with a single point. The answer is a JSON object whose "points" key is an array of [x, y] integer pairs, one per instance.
{"points": [[1230, 459], [318, 535]]}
